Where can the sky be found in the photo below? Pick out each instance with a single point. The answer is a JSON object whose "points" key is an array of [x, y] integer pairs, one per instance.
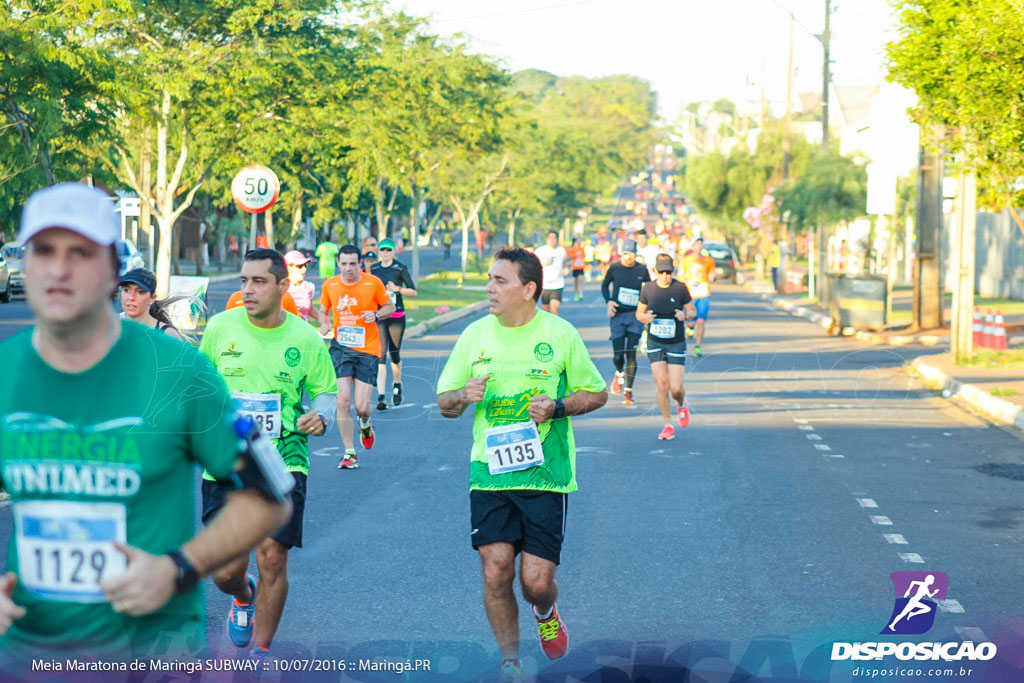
{"points": [[690, 50]]}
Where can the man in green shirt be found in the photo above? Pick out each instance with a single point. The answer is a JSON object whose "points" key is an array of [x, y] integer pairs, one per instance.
{"points": [[101, 428], [525, 371], [326, 252], [268, 358]]}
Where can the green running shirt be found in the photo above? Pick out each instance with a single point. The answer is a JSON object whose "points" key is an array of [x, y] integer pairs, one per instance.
{"points": [[546, 355], [121, 439], [286, 359]]}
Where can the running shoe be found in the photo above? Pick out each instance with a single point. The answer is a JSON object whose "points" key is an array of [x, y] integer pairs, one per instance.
{"points": [[668, 433], [367, 436], [349, 462], [554, 639], [261, 656], [697, 352], [689, 332], [241, 617], [627, 398], [684, 416], [616, 387], [396, 395], [381, 403], [511, 671]]}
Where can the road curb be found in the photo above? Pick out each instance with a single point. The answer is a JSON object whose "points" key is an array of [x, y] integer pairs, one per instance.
{"points": [[825, 321], [421, 329], [222, 278], [993, 406]]}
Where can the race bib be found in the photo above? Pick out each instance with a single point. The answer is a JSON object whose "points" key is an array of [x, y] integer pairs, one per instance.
{"points": [[629, 297], [663, 328], [514, 447], [352, 336], [699, 290], [264, 409], [65, 549]]}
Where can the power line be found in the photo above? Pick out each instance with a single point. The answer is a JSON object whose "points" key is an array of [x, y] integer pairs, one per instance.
{"points": [[799, 23], [520, 11]]}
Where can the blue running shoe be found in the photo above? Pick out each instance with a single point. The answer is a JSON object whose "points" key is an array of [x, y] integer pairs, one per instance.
{"points": [[263, 662], [241, 618]]}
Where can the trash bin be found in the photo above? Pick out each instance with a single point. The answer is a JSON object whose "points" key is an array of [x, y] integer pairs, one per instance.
{"points": [[861, 301]]}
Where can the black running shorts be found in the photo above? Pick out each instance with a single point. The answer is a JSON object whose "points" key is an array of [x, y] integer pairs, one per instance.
{"points": [[532, 521]]}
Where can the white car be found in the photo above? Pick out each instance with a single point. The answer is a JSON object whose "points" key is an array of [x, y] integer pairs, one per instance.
{"points": [[129, 255]]}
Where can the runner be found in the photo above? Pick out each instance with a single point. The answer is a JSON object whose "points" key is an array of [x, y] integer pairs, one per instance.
{"points": [[398, 282], [664, 304], [646, 253], [122, 461], [356, 301], [447, 239], [698, 271], [588, 258], [326, 252], [300, 290], [552, 258], [525, 371], [268, 358], [603, 252], [139, 302], [578, 262], [621, 290]]}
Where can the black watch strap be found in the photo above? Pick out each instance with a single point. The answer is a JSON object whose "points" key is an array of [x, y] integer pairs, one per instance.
{"points": [[559, 410], [186, 576]]}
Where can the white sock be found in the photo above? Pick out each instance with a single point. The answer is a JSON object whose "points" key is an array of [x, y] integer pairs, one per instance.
{"points": [[363, 422], [542, 617]]}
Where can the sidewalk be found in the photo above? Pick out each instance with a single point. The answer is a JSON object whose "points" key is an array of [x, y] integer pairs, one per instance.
{"points": [[995, 389]]}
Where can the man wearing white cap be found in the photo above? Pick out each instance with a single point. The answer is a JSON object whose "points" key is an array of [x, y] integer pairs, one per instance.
{"points": [[103, 559]]}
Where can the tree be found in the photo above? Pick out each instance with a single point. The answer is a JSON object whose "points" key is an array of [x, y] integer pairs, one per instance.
{"points": [[831, 190], [963, 60]]}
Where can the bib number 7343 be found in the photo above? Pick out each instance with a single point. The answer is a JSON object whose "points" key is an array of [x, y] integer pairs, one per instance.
{"points": [[514, 447]]}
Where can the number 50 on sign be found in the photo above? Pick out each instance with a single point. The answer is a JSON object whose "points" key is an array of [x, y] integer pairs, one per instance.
{"points": [[255, 188]]}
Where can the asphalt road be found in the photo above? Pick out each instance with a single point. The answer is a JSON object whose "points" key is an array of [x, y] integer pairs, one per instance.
{"points": [[812, 469]]}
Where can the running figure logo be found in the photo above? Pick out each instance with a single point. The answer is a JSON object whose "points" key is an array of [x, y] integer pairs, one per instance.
{"points": [[916, 595]]}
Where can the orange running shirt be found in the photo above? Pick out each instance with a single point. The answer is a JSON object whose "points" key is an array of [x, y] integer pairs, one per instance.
{"points": [[576, 254], [347, 303], [287, 302], [696, 271]]}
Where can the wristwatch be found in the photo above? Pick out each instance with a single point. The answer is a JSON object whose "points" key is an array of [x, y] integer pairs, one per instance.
{"points": [[559, 410], [186, 577]]}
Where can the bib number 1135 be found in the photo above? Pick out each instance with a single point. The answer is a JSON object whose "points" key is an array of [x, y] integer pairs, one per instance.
{"points": [[514, 447]]}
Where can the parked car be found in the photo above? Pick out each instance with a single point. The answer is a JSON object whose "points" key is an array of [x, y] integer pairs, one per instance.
{"points": [[12, 253], [5, 281], [129, 255], [725, 260]]}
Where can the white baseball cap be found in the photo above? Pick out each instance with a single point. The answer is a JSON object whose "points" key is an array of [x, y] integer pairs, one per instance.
{"points": [[74, 206]]}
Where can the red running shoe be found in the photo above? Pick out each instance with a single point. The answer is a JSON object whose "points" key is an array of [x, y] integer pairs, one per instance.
{"points": [[684, 416], [367, 436], [554, 639], [668, 433], [616, 387]]}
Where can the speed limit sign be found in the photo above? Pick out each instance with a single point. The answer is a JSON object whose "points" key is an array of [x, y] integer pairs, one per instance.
{"points": [[255, 188]]}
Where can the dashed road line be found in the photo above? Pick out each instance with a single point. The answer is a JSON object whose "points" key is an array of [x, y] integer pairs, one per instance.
{"points": [[971, 633], [896, 539], [951, 606], [881, 520], [867, 502], [813, 437], [822, 447], [911, 557]]}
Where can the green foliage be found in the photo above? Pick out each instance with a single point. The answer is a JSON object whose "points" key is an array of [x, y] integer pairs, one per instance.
{"points": [[963, 60], [832, 189]]}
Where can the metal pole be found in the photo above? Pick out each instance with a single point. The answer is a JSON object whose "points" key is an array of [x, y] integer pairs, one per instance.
{"points": [[789, 105], [811, 289], [826, 76], [252, 231]]}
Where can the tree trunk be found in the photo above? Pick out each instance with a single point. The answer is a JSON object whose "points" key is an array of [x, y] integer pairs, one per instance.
{"points": [[268, 226], [477, 240], [145, 213], [164, 200], [297, 217]]}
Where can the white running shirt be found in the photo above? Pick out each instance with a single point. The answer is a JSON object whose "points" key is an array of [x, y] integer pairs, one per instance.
{"points": [[553, 263]]}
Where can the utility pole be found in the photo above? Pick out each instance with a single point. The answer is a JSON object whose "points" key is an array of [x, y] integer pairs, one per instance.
{"points": [[965, 225], [764, 102], [927, 304], [789, 105], [826, 76]]}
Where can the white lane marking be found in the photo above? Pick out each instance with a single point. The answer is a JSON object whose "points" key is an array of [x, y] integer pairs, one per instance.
{"points": [[428, 406], [591, 449], [444, 468], [867, 502], [404, 405], [895, 538], [881, 519], [657, 452], [911, 557], [952, 606], [799, 421], [806, 428], [327, 451], [813, 437], [694, 453], [947, 433], [822, 447], [832, 455], [971, 633]]}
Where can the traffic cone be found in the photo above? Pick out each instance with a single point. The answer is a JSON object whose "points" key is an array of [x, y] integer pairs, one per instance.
{"points": [[986, 331], [999, 333], [977, 327]]}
